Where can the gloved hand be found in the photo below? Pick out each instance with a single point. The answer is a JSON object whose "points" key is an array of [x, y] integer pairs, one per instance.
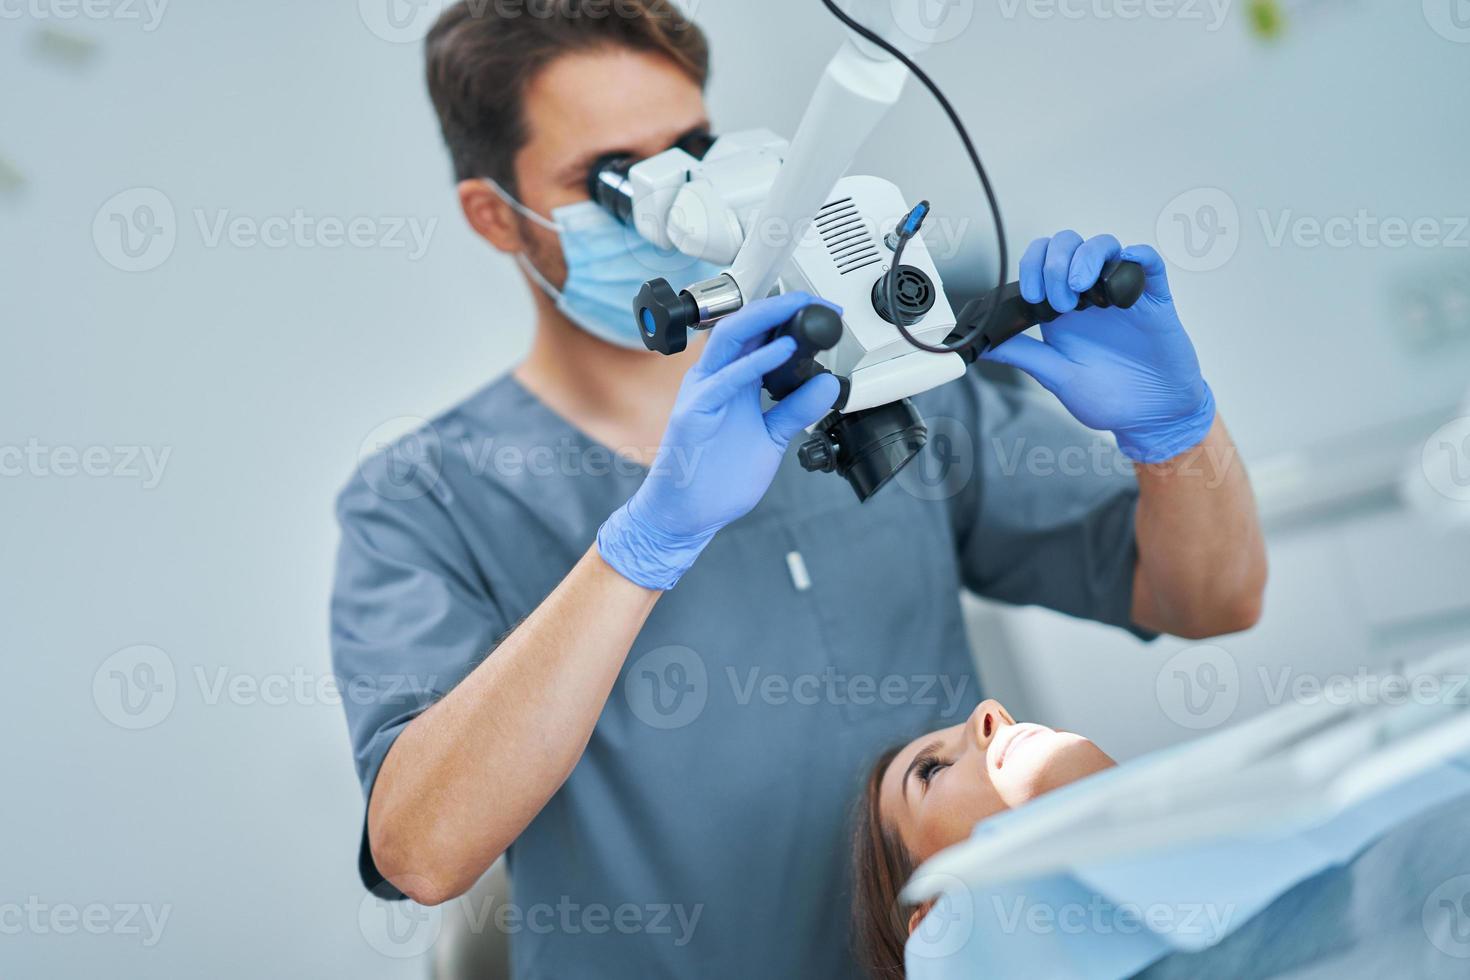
{"points": [[719, 453], [1132, 372]]}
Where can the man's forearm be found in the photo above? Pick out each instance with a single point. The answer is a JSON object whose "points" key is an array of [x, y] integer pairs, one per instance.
{"points": [[468, 775], [1202, 559]]}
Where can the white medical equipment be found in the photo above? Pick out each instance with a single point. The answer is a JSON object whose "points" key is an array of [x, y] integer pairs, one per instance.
{"points": [[785, 213]]}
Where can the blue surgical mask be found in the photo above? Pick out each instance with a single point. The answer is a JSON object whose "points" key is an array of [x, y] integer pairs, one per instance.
{"points": [[607, 263]]}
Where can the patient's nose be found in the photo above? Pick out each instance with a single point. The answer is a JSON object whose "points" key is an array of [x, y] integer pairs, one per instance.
{"points": [[986, 721]]}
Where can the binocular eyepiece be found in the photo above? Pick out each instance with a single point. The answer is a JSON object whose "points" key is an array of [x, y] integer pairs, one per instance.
{"points": [[609, 184]]}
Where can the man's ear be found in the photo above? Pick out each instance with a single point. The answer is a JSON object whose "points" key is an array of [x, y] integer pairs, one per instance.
{"points": [[918, 915], [492, 218]]}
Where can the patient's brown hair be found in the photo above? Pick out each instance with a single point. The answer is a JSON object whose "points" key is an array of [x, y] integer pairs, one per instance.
{"points": [[880, 866]]}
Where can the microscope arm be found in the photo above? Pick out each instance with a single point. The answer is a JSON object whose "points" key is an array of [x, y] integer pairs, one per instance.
{"points": [[860, 85]]}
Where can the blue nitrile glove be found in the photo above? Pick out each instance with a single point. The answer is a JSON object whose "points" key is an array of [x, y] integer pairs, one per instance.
{"points": [[719, 453], [1131, 372]]}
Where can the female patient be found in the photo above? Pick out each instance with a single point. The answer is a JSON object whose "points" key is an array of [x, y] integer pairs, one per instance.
{"points": [[928, 795]]}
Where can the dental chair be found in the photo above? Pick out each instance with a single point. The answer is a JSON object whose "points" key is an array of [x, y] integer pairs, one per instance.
{"points": [[1322, 829], [464, 952]]}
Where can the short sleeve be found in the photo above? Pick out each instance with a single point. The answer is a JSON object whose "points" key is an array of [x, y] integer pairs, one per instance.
{"points": [[410, 618], [1048, 518]]}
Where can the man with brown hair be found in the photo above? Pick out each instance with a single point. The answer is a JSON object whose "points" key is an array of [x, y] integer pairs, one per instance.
{"points": [[670, 771]]}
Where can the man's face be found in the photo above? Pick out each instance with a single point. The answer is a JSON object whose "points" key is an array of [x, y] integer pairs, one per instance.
{"points": [[586, 105]]}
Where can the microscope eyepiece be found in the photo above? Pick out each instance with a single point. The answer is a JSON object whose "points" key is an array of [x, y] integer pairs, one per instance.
{"points": [[609, 187], [608, 184]]}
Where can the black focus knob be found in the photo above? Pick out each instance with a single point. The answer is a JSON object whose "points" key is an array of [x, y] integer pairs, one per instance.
{"points": [[665, 317], [817, 455], [1120, 284]]}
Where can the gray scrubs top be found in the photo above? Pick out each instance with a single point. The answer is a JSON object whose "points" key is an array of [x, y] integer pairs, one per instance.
{"points": [[705, 830]]}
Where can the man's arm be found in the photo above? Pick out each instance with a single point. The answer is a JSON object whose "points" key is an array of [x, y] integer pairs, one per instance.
{"points": [[464, 779], [1201, 555], [467, 776], [1134, 372]]}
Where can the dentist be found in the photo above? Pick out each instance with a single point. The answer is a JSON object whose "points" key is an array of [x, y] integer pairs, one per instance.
{"points": [[648, 754]]}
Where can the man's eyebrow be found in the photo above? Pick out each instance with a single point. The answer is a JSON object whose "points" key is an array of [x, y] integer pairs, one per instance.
{"points": [[918, 758], [581, 168]]}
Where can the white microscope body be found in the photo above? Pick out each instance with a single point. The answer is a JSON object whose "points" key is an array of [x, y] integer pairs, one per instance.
{"points": [[784, 215]]}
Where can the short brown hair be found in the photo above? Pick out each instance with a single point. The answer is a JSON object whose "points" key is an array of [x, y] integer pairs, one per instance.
{"points": [[881, 864], [482, 54]]}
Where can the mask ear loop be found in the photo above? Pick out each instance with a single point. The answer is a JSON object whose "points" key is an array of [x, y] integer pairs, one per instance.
{"points": [[520, 208], [520, 257], [541, 281]]}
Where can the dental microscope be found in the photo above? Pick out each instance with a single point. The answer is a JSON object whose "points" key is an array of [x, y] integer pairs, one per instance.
{"points": [[784, 216]]}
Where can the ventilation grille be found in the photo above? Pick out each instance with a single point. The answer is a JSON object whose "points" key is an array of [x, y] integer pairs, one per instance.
{"points": [[847, 238]]}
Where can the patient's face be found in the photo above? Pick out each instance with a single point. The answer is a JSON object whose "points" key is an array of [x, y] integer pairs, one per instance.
{"points": [[939, 786]]}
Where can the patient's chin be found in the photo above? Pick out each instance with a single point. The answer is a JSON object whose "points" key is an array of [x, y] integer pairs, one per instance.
{"points": [[1040, 765]]}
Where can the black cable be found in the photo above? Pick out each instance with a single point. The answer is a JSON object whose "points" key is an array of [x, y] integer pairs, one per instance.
{"points": [[983, 321], [890, 290]]}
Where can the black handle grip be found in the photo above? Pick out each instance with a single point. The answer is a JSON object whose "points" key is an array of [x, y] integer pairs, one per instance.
{"points": [[1120, 284], [816, 328]]}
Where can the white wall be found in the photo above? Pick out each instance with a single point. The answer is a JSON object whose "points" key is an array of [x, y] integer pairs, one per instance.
{"points": [[261, 371]]}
